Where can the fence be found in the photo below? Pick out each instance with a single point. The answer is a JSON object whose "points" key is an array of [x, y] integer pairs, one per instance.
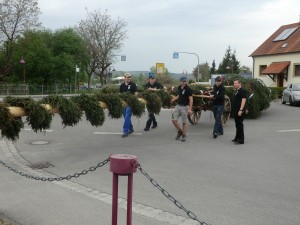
{"points": [[33, 89]]}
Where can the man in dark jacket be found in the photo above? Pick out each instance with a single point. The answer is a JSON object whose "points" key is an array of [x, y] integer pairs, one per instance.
{"points": [[218, 98]]}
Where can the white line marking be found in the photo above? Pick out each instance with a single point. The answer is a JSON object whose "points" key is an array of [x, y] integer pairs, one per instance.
{"points": [[116, 133], [295, 130]]}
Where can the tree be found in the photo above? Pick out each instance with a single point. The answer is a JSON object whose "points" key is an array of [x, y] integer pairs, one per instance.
{"points": [[229, 64], [203, 70], [50, 56], [213, 68], [103, 38], [16, 16]]}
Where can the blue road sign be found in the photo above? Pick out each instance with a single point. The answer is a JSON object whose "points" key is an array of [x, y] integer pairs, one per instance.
{"points": [[175, 55]]}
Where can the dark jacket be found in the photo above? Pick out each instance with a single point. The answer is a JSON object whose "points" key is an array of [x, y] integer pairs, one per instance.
{"points": [[219, 95]]}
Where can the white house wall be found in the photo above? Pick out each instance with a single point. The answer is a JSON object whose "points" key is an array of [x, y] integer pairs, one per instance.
{"points": [[267, 60]]}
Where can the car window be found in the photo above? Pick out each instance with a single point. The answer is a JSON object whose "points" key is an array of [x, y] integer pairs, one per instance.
{"points": [[296, 87]]}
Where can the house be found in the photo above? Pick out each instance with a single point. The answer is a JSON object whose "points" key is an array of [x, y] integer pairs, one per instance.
{"points": [[277, 60]]}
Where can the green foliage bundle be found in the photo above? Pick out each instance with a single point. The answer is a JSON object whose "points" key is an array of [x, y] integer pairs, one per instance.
{"points": [[69, 112], [109, 89], [90, 105], [138, 108], [165, 97], [153, 100], [261, 99], [37, 116], [10, 126], [113, 102]]}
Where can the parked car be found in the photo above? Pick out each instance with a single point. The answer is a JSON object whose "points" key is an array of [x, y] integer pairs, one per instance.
{"points": [[291, 94]]}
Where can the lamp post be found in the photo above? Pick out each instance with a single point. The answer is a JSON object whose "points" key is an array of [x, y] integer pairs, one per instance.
{"points": [[111, 69], [228, 68], [75, 80], [22, 62], [176, 55]]}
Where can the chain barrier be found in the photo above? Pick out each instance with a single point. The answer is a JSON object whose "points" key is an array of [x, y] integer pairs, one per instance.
{"points": [[170, 197], [75, 175]]}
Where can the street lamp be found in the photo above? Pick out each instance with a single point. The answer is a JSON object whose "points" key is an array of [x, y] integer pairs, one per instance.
{"points": [[176, 56], [75, 80], [228, 68], [22, 62]]}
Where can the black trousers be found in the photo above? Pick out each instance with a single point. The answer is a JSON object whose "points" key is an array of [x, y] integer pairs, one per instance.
{"points": [[239, 124], [151, 119]]}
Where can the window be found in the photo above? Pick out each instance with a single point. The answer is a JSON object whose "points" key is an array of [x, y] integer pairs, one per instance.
{"points": [[297, 70], [285, 34], [261, 69]]}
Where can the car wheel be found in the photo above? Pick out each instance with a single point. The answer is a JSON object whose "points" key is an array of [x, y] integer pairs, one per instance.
{"points": [[291, 101], [282, 101]]}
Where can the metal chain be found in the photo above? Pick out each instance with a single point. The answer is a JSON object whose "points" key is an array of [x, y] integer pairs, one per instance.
{"points": [[169, 196], [75, 175]]}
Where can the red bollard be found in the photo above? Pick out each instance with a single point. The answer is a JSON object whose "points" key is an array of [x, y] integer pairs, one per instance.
{"points": [[123, 165]]}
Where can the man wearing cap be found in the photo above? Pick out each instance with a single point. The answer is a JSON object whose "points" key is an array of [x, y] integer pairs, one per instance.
{"points": [[218, 98], [152, 85], [183, 108], [127, 86]]}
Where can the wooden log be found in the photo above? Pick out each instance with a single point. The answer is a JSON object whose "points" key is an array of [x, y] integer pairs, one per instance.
{"points": [[19, 111], [202, 96]]}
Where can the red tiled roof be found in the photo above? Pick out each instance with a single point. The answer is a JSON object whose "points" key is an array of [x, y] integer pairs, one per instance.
{"points": [[276, 67], [270, 47]]}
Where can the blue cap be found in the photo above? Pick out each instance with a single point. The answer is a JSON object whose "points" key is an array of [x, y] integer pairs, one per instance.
{"points": [[151, 75], [182, 78]]}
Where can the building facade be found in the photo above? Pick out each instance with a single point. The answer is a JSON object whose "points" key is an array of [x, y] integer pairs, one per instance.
{"points": [[277, 60]]}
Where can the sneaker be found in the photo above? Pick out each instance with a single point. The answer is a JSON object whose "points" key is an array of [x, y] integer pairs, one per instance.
{"points": [[215, 135], [124, 135], [146, 129], [179, 133], [131, 131], [183, 137], [154, 126]]}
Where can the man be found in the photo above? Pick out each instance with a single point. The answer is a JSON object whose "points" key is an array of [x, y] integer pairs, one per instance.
{"points": [[218, 98], [127, 86], [152, 85], [183, 108], [239, 102]]}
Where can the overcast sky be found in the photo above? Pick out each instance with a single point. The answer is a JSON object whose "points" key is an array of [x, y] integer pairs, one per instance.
{"points": [[157, 28]]}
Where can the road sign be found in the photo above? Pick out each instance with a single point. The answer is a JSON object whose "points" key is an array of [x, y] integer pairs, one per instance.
{"points": [[175, 55], [123, 57]]}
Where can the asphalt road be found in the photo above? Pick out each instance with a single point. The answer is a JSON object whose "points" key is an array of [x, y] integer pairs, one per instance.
{"points": [[220, 182]]}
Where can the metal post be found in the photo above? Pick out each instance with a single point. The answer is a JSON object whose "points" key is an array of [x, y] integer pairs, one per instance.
{"points": [[123, 165], [129, 199], [114, 214], [197, 59]]}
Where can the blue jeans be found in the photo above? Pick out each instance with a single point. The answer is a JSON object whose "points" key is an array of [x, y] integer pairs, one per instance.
{"points": [[218, 111], [127, 126]]}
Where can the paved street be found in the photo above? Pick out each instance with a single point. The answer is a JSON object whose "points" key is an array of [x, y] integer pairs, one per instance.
{"points": [[220, 182]]}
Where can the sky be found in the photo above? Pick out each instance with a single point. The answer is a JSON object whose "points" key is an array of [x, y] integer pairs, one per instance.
{"points": [[158, 28]]}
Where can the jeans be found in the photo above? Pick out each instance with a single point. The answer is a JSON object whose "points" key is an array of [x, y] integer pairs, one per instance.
{"points": [[218, 111], [127, 126], [151, 118]]}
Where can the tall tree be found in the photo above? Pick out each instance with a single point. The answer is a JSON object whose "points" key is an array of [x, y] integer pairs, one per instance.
{"points": [[229, 63], [104, 38], [213, 68], [203, 70], [16, 16]]}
